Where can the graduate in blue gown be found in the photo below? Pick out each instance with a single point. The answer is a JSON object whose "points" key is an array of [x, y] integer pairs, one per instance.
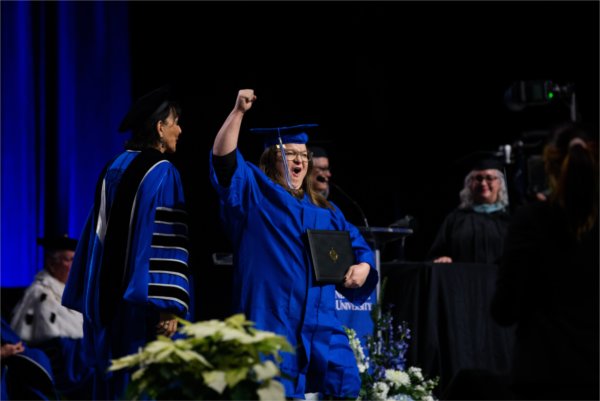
{"points": [[130, 275], [266, 211]]}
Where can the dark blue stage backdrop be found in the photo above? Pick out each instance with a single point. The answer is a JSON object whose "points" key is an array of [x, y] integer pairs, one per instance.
{"points": [[403, 93], [65, 85]]}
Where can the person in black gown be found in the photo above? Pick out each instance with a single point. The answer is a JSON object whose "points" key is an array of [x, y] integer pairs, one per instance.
{"points": [[474, 232]]}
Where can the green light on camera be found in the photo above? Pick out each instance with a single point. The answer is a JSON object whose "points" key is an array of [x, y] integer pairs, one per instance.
{"points": [[550, 95]]}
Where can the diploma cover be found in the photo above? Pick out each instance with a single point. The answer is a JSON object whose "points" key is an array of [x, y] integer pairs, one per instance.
{"points": [[331, 254]]}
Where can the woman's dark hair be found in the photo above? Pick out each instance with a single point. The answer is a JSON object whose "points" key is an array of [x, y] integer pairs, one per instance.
{"points": [[146, 135], [571, 163], [268, 164]]}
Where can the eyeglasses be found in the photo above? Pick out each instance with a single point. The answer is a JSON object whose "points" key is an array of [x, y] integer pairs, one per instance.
{"points": [[292, 155], [488, 178]]}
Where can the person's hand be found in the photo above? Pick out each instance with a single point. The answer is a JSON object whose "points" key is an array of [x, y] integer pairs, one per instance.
{"points": [[244, 100], [167, 325], [356, 275], [11, 349], [443, 259]]}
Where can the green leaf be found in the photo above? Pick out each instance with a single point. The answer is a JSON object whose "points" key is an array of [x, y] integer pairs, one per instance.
{"points": [[215, 379], [191, 355], [127, 361], [234, 376]]}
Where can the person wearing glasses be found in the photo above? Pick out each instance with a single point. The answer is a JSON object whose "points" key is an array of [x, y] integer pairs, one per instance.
{"points": [[475, 231], [266, 211], [321, 173]]}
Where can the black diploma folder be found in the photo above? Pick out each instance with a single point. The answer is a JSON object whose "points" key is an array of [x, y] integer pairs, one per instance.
{"points": [[331, 253]]}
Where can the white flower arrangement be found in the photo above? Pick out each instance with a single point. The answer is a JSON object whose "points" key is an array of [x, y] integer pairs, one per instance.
{"points": [[213, 360], [383, 372]]}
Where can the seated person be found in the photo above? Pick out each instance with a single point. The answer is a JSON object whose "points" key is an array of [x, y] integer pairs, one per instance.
{"points": [[39, 315], [41, 320], [26, 372], [474, 232]]}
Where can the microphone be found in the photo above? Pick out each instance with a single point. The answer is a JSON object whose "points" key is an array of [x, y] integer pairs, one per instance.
{"points": [[507, 154], [505, 151], [340, 190]]}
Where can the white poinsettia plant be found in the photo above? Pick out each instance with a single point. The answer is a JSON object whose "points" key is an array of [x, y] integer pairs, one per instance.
{"points": [[383, 372], [208, 360]]}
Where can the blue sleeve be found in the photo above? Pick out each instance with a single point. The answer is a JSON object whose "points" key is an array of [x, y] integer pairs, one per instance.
{"points": [[73, 295], [238, 197], [362, 253], [159, 271]]}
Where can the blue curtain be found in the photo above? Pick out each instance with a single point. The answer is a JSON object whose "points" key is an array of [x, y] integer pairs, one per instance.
{"points": [[65, 86]]}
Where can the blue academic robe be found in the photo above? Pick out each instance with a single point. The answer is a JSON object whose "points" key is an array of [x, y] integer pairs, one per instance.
{"points": [[156, 277], [273, 280], [27, 375]]}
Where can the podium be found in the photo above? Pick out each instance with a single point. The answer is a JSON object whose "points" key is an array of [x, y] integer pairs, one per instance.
{"points": [[379, 236]]}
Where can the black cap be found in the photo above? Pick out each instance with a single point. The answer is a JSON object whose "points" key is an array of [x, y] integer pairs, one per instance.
{"points": [[318, 151], [488, 164], [480, 160], [145, 107], [58, 243]]}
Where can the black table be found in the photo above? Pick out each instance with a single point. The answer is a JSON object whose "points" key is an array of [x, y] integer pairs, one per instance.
{"points": [[447, 308]]}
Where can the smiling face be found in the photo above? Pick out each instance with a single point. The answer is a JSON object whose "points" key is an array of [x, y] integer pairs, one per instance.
{"points": [[485, 186], [321, 174], [297, 162]]}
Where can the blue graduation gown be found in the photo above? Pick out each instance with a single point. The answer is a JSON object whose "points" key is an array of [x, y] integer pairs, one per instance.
{"points": [[273, 280], [156, 277]]}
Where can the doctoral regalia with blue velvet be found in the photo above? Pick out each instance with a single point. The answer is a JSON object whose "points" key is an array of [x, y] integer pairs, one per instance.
{"points": [[131, 262]]}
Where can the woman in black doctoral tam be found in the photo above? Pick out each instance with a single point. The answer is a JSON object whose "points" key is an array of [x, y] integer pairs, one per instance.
{"points": [[474, 232]]}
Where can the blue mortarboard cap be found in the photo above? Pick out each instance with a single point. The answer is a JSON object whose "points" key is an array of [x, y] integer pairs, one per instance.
{"points": [[293, 134]]}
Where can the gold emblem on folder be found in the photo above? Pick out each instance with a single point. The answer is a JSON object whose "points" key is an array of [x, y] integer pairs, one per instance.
{"points": [[333, 255]]}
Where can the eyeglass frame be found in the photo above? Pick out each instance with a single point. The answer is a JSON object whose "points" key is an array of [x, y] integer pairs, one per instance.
{"points": [[304, 157], [487, 177]]}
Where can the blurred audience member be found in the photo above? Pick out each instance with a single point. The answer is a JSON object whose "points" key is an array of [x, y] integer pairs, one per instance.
{"points": [[474, 232], [548, 278]]}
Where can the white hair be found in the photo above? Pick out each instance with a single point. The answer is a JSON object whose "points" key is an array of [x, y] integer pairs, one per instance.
{"points": [[466, 195]]}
